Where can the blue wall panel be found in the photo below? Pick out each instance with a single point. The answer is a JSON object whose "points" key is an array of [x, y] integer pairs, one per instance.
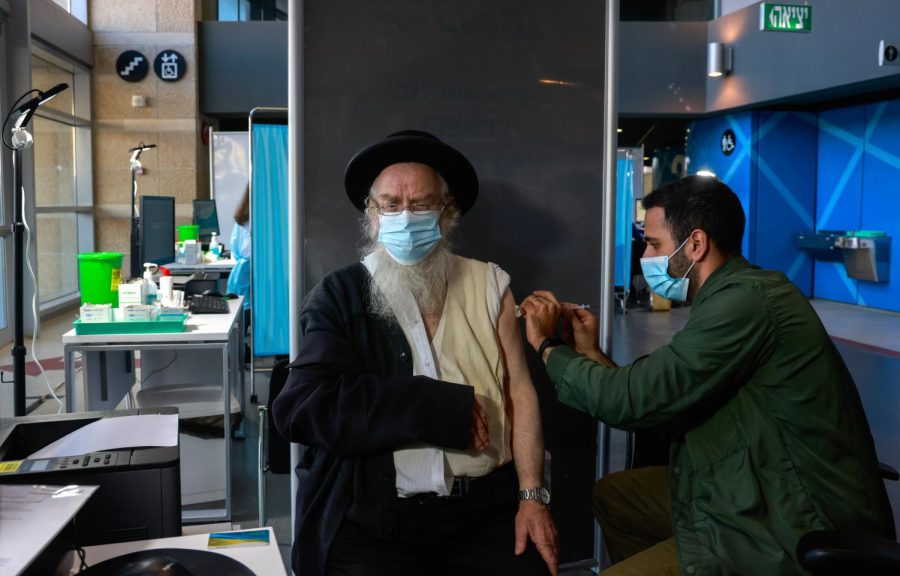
{"points": [[881, 196], [705, 153], [794, 173], [785, 161], [839, 200]]}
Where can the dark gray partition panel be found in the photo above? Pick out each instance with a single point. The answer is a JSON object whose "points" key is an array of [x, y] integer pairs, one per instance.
{"points": [[517, 86]]}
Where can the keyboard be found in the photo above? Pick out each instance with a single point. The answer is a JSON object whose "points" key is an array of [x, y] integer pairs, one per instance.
{"points": [[205, 304]]}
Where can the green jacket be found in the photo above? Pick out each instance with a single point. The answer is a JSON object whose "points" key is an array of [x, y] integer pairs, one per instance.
{"points": [[771, 439]]}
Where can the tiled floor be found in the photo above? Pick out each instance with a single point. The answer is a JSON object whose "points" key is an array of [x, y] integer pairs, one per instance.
{"points": [[869, 341]]}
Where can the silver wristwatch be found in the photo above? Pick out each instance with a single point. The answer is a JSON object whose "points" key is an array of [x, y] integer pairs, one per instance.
{"points": [[540, 494]]}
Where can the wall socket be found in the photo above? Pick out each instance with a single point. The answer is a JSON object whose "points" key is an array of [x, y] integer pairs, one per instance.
{"points": [[888, 53]]}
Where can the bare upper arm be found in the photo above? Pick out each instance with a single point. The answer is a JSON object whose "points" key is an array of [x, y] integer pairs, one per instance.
{"points": [[511, 344]]}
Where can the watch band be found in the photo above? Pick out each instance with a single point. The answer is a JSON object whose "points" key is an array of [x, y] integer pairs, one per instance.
{"points": [[539, 494], [548, 343]]}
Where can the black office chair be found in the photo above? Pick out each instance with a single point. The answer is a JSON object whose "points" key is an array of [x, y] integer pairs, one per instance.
{"points": [[830, 553], [274, 450]]}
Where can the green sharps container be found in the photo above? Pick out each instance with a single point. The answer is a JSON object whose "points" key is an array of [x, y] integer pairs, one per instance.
{"points": [[188, 232], [99, 274]]}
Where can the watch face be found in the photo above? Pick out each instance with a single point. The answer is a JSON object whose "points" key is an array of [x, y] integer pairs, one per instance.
{"points": [[545, 495]]}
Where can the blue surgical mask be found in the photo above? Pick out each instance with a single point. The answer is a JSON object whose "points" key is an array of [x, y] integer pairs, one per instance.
{"points": [[656, 273], [409, 238]]}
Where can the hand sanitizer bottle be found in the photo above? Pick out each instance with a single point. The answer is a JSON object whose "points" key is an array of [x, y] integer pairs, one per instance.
{"points": [[149, 284], [215, 249]]}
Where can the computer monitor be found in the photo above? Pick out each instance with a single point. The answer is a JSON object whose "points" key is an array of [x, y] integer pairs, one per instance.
{"points": [[206, 217], [157, 237]]}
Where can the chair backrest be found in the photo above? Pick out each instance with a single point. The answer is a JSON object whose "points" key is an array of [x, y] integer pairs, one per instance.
{"points": [[278, 451], [829, 552]]}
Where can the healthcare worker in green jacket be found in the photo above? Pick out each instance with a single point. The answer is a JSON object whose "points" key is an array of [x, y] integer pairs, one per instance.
{"points": [[769, 438]]}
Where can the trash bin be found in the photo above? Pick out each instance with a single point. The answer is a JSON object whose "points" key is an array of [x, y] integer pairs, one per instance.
{"points": [[99, 274]]}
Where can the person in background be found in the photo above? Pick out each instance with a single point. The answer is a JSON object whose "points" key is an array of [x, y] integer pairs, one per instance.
{"points": [[423, 446], [768, 436], [239, 278]]}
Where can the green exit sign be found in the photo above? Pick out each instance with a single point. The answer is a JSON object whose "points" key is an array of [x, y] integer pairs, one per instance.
{"points": [[785, 17]]}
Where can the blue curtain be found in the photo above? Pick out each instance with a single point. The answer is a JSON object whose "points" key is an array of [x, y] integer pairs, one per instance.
{"points": [[624, 218], [269, 227]]}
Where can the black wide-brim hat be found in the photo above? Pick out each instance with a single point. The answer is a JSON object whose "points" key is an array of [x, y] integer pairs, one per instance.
{"points": [[411, 146]]}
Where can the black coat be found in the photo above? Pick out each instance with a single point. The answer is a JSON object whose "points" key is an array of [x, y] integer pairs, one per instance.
{"points": [[351, 399]]}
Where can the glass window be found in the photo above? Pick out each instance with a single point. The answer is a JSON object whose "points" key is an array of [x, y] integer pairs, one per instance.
{"points": [[54, 162], [63, 226], [45, 75], [244, 10], [57, 255], [77, 8]]}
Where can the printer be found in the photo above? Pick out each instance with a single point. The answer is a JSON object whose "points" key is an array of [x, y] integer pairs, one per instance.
{"points": [[138, 495]]}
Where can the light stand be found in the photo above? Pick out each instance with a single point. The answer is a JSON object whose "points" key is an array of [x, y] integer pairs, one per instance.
{"points": [[135, 221], [19, 141]]}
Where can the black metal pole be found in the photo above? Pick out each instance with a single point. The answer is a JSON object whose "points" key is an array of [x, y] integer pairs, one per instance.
{"points": [[135, 250], [18, 350]]}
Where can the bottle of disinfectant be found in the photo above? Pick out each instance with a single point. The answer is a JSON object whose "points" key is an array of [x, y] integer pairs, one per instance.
{"points": [[215, 249], [149, 285]]}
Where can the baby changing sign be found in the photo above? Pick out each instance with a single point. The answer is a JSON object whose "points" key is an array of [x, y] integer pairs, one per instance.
{"points": [[169, 65]]}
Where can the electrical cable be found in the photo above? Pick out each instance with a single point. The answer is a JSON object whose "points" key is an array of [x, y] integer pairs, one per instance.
{"points": [[82, 557], [143, 380], [137, 212], [647, 133], [34, 314]]}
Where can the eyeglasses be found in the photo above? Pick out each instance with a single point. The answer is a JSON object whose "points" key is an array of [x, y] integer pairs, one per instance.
{"points": [[395, 209]]}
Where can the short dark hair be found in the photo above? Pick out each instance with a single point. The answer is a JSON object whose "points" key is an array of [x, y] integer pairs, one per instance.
{"points": [[701, 202]]}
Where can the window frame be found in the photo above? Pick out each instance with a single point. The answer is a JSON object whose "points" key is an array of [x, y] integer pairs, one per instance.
{"points": [[83, 207]]}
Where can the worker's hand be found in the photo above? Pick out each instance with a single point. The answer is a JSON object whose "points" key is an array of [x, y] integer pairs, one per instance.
{"points": [[480, 435], [541, 312], [584, 329], [534, 522]]}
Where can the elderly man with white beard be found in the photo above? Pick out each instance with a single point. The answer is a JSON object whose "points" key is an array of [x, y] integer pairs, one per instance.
{"points": [[423, 450]]}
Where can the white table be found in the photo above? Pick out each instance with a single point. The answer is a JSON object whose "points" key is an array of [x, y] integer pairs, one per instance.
{"points": [[262, 560], [207, 354]]}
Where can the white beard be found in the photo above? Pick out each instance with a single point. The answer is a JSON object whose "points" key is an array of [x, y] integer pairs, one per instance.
{"points": [[426, 281]]}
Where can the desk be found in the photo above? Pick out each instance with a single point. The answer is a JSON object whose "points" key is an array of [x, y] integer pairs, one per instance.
{"points": [[262, 560], [210, 350]]}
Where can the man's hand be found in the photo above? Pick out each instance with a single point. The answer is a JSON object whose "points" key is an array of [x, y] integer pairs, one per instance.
{"points": [[585, 333], [533, 522], [480, 435], [541, 311], [585, 329]]}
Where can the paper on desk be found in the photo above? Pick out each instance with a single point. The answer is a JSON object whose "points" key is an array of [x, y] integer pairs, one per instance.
{"points": [[31, 516], [240, 538], [113, 433]]}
